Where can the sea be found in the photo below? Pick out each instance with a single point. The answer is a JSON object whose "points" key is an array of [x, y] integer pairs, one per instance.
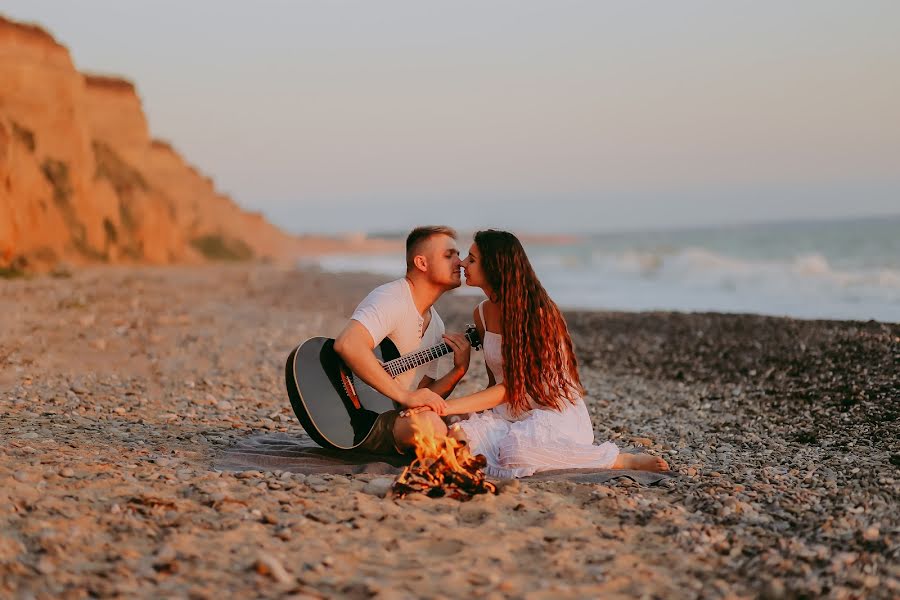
{"points": [[848, 270]]}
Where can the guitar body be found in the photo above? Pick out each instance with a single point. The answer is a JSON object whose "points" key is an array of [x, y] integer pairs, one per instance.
{"points": [[317, 382]]}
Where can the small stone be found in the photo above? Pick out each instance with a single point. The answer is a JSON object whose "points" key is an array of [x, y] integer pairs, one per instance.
{"points": [[380, 487], [643, 441], [870, 581], [871, 534], [224, 405], [248, 474], [67, 472], [774, 588], [46, 566], [266, 564], [166, 559]]}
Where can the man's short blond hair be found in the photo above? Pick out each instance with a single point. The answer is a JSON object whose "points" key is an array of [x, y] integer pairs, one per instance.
{"points": [[419, 236]]}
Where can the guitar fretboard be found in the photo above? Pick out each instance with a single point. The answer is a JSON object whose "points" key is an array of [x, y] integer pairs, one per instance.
{"points": [[411, 361]]}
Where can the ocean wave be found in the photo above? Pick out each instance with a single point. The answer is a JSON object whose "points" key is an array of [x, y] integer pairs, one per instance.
{"points": [[700, 264], [693, 278]]}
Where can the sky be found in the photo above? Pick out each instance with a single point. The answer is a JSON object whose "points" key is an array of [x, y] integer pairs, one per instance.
{"points": [[554, 116]]}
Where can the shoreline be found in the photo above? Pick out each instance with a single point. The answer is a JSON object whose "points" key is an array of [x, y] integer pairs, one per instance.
{"points": [[119, 385], [349, 262], [376, 278]]}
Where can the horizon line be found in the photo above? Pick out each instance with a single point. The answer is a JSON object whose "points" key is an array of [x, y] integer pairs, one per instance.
{"points": [[393, 233]]}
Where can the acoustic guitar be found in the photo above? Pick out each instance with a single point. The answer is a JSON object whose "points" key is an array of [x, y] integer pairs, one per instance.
{"points": [[336, 408]]}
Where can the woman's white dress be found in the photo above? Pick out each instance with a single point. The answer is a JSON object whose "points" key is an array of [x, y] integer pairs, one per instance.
{"points": [[540, 439]]}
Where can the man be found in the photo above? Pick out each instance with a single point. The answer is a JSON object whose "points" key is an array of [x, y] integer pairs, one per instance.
{"points": [[402, 311]]}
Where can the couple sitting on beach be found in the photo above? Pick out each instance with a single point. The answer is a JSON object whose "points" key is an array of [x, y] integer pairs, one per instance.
{"points": [[531, 417]]}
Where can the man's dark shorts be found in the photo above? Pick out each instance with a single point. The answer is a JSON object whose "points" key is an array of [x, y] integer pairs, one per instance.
{"points": [[381, 439]]}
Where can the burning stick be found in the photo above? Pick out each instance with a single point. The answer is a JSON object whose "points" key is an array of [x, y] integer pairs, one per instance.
{"points": [[443, 467]]}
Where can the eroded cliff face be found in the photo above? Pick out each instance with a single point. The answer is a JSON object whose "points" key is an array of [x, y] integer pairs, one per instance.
{"points": [[82, 180]]}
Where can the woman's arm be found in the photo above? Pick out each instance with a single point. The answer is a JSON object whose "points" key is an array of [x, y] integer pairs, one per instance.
{"points": [[483, 400]]}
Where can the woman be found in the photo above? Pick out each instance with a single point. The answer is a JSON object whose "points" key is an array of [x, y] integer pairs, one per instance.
{"points": [[531, 417]]}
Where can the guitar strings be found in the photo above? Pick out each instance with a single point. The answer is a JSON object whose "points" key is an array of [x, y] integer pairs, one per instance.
{"points": [[399, 365], [404, 363]]}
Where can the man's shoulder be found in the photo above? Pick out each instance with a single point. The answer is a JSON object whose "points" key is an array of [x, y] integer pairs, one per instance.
{"points": [[392, 288], [391, 294]]}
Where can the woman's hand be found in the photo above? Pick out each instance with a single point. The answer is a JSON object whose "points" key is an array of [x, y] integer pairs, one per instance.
{"points": [[425, 397]]}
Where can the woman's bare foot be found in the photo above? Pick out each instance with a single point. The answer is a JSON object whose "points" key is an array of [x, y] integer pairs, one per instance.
{"points": [[640, 462]]}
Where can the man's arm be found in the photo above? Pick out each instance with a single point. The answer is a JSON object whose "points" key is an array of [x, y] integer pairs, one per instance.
{"points": [[444, 386], [355, 345], [461, 355]]}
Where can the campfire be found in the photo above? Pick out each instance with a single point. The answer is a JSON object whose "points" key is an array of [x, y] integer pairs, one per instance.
{"points": [[443, 467]]}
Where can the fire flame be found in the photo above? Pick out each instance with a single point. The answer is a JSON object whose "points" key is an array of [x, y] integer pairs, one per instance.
{"points": [[443, 466], [430, 447]]}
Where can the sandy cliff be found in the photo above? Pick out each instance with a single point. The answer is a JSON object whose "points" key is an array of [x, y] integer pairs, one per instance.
{"points": [[82, 180]]}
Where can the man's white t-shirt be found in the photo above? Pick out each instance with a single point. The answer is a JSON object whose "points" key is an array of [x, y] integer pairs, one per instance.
{"points": [[389, 312]]}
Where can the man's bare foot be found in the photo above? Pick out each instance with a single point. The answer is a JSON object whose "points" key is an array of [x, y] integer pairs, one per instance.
{"points": [[640, 462]]}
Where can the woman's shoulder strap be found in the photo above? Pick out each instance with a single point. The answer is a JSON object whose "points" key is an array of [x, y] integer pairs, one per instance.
{"points": [[481, 314]]}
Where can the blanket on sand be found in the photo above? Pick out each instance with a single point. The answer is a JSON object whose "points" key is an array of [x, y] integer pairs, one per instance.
{"points": [[299, 454]]}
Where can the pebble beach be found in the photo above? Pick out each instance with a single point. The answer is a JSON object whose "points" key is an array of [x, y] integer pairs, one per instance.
{"points": [[120, 385]]}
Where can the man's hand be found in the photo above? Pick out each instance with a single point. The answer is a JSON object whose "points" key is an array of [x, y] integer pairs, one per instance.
{"points": [[425, 397], [462, 351]]}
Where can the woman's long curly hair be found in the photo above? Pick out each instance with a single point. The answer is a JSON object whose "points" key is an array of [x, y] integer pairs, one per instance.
{"points": [[538, 357]]}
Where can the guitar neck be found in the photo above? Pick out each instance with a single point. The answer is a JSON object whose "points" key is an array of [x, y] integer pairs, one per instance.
{"points": [[415, 359]]}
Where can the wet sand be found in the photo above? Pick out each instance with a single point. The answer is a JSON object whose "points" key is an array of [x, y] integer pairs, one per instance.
{"points": [[119, 386]]}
